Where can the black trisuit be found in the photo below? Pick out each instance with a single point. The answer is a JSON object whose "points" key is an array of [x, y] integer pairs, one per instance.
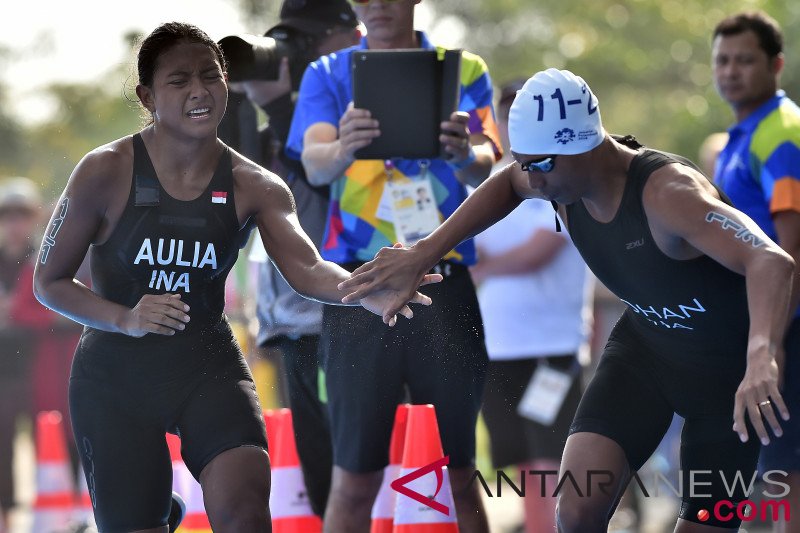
{"points": [[680, 346], [126, 392]]}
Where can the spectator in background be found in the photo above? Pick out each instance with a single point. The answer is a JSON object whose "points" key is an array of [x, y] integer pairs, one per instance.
{"points": [[441, 358], [20, 205], [759, 169], [286, 320], [535, 293]]}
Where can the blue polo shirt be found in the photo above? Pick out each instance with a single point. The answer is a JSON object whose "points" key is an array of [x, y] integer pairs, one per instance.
{"points": [[759, 168]]}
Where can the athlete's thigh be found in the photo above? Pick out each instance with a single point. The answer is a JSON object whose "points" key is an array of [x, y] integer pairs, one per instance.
{"points": [[622, 403], [125, 459], [716, 467], [222, 412]]}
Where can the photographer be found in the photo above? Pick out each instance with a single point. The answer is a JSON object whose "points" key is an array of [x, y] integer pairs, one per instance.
{"points": [[287, 321]]}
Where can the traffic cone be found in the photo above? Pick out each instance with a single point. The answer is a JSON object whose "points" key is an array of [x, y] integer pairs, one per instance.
{"points": [[288, 500], [383, 508], [196, 520], [271, 421], [55, 488], [425, 503]]}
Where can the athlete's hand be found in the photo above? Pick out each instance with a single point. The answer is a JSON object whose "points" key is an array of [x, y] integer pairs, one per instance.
{"points": [[758, 395], [388, 304], [163, 314], [397, 270]]}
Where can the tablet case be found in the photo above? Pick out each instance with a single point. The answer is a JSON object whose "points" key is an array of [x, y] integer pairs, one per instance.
{"points": [[410, 92]]}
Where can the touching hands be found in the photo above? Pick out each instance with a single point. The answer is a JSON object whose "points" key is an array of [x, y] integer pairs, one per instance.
{"points": [[385, 302], [163, 314], [395, 273]]}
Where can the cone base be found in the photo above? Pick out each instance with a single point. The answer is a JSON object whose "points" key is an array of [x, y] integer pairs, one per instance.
{"points": [[297, 524], [382, 525], [450, 527]]}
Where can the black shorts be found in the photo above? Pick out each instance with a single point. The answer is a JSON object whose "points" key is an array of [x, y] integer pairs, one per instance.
{"points": [[635, 391], [125, 395], [514, 438], [783, 453], [438, 357]]}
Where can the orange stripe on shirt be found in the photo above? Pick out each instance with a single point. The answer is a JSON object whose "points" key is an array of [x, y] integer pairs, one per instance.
{"points": [[486, 116], [785, 195]]}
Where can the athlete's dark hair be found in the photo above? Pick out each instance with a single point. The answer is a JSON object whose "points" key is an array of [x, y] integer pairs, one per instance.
{"points": [[765, 27], [165, 37]]}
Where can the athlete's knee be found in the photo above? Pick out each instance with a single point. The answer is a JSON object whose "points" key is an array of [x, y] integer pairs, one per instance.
{"points": [[462, 483], [575, 514], [355, 490], [236, 520]]}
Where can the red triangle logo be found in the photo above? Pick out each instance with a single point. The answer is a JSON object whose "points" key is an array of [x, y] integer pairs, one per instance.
{"points": [[400, 483]]}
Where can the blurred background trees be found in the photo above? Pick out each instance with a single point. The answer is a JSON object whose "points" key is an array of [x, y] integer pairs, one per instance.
{"points": [[647, 60]]}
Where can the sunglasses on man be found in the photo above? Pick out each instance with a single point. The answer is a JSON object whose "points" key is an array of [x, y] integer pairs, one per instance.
{"points": [[543, 165]]}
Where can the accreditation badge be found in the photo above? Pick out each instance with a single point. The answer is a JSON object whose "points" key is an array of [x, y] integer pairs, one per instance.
{"points": [[545, 394], [410, 205]]}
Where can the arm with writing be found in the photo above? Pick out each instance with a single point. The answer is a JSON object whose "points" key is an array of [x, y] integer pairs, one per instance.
{"points": [[79, 218], [681, 204]]}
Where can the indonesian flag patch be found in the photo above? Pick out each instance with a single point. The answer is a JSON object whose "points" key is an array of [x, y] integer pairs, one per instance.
{"points": [[219, 197]]}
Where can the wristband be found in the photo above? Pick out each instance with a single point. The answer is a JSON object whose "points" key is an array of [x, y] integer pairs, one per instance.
{"points": [[464, 163]]}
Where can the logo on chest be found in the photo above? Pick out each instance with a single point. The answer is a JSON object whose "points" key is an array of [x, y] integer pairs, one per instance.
{"points": [[175, 253], [634, 244]]}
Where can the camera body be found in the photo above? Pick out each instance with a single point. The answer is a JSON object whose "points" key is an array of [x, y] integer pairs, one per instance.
{"points": [[252, 57]]}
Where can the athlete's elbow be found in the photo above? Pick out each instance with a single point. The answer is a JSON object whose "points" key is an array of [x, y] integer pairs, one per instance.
{"points": [[41, 290], [780, 264], [45, 288]]}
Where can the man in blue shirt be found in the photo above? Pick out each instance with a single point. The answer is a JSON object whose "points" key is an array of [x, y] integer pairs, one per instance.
{"points": [[759, 169], [441, 358]]}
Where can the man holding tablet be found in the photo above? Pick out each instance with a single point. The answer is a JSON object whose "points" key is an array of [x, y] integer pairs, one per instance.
{"points": [[440, 358]]}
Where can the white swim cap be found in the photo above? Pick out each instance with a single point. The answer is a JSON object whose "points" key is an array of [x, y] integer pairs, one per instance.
{"points": [[555, 112]]}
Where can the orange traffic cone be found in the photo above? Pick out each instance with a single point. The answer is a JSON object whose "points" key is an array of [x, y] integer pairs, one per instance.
{"points": [[425, 503], [272, 421], [383, 508], [52, 508], [288, 500], [196, 520]]}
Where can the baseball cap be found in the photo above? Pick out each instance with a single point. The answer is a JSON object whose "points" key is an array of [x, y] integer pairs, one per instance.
{"points": [[316, 16], [555, 112], [19, 194]]}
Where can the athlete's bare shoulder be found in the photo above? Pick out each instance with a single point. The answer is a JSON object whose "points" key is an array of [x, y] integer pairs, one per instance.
{"points": [[104, 170], [676, 182], [255, 186]]}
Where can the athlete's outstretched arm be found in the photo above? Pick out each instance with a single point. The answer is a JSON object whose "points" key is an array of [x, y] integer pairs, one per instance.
{"points": [[79, 218], [681, 204], [295, 255], [403, 269]]}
